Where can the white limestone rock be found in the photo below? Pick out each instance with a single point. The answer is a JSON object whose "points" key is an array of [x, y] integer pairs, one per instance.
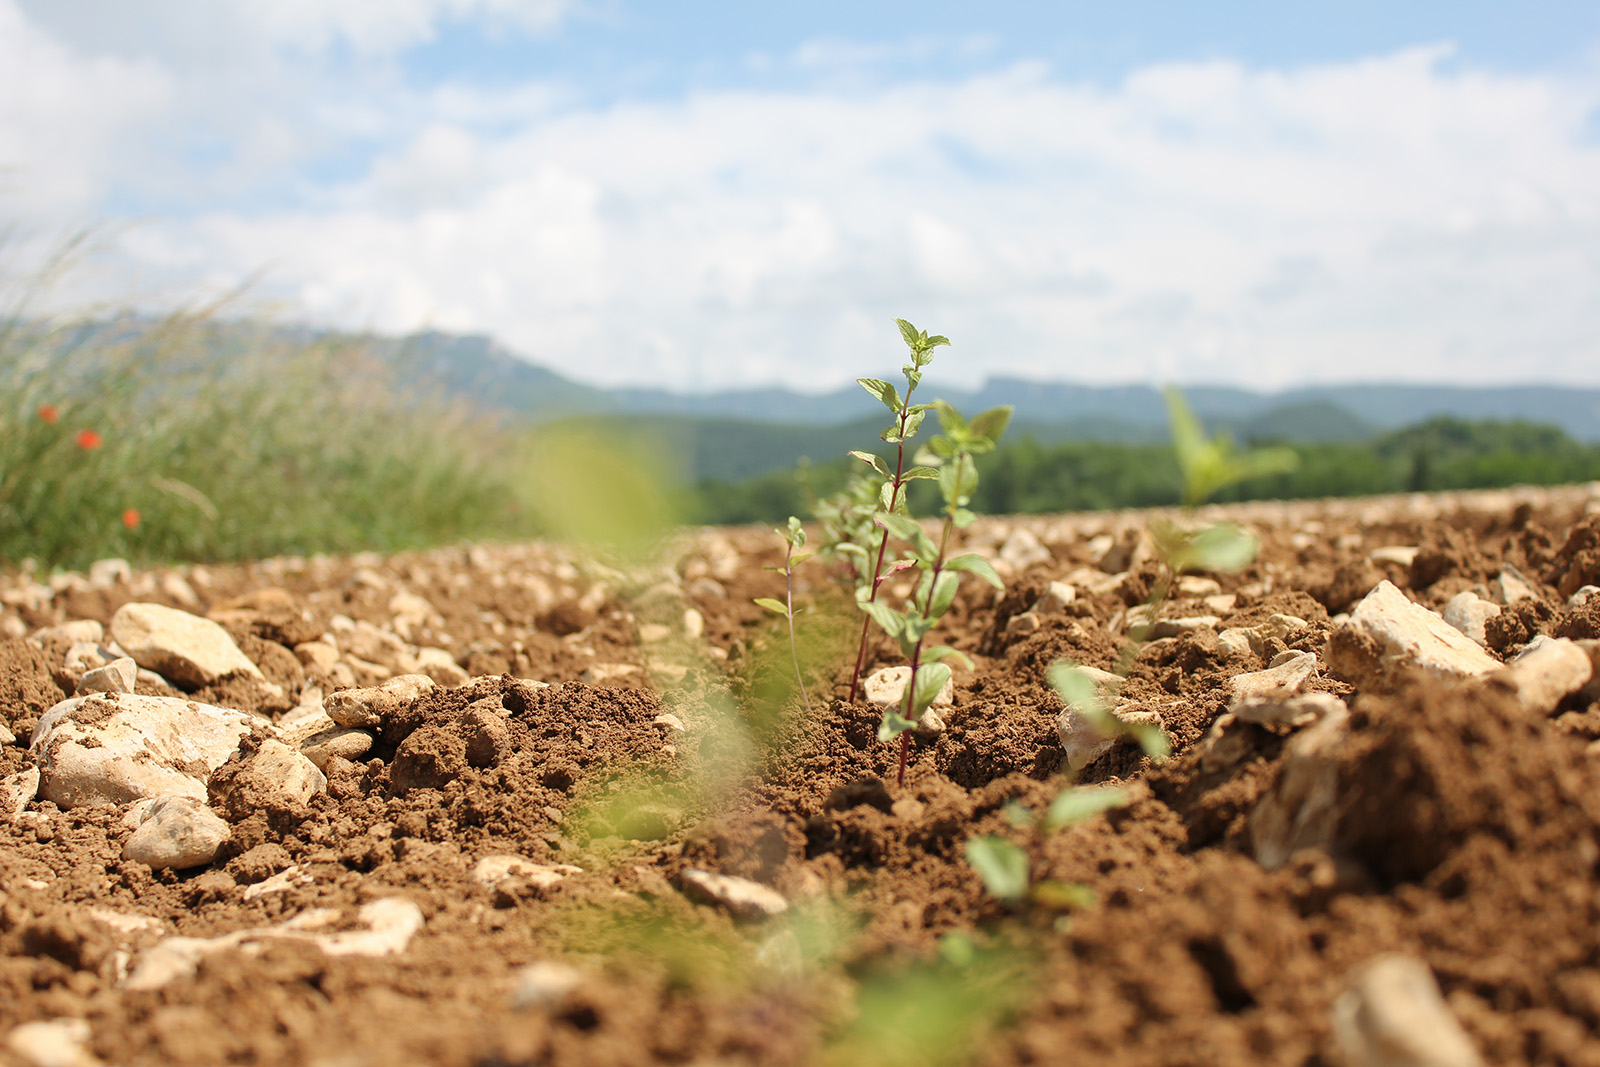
{"points": [[1294, 711], [118, 676], [1388, 635], [544, 985], [887, 685], [492, 870], [176, 833], [369, 706], [1023, 549], [1546, 671], [52, 1043], [1511, 586], [180, 647], [17, 792], [113, 748], [1055, 599], [741, 897], [1394, 1016], [1302, 807], [342, 741], [1286, 677], [441, 666], [1470, 613]]}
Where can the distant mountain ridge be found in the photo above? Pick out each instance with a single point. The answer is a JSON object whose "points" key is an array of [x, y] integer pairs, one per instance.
{"points": [[492, 375]]}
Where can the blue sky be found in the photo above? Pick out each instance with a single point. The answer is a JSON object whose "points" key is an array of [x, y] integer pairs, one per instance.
{"points": [[712, 194]]}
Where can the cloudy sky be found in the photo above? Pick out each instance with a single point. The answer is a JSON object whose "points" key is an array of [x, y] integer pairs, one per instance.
{"points": [[706, 193]]}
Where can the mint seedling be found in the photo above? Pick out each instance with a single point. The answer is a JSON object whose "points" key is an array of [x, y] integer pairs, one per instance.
{"points": [[794, 538], [1003, 865], [948, 459], [891, 490]]}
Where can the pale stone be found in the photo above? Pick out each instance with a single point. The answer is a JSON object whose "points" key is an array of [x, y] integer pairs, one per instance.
{"points": [[412, 612], [1294, 711], [601, 673], [78, 631], [107, 573], [110, 748], [1301, 808], [441, 666], [1177, 627], [1221, 604], [1399, 555], [118, 676], [1193, 585], [12, 626], [1387, 635], [177, 833], [670, 721], [17, 792], [1082, 742], [694, 624], [295, 776], [178, 646], [391, 923], [887, 685], [491, 870], [1284, 679], [1055, 599], [52, 1043], [1023, 623], [1581, 597], [1095, 582], [1023, 549], [291, 877], [544, 985], [369, 706], [1470, 613], [741, 897], [1394, 1016], [320, 654], [1235, 640], [1546, 671], [652, 633], [6, 736], [1512, 586], [173, 587], [341, 741]]}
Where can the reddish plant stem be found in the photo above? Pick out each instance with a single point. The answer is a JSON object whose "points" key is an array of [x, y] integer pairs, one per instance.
{"points": [[883, 548], [916, 651]]}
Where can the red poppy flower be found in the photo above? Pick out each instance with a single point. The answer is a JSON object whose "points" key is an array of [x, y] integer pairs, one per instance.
{"points": [[88, 440], [48, 413], [130, 518]]}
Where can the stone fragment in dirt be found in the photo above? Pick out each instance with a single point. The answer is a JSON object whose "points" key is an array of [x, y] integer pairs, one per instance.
{"points": [[441, 666], [742, 898], [371, 705], [276, 775], [1081, 742], [671, 722], [1301, 808], [544, 985], [1296, 711], [52, 1043], [1054, 601], [887, 685], [17, 792], [1546, 671], [1193, 585], [319, 654], [1468, 612], [291, 877], [1581, 597], [1023, 549], [176, 833], [1023, 623], [601, 673], [1177, 627], [1094, 582], [118, 676], [1388, 635], [1511, 586], [391, 923], [71, 633], [491, 870], [109, 748], [1399, 555], [343, 741], [1281, 680], [180, 647], [1393, 1016], [107, 573]]}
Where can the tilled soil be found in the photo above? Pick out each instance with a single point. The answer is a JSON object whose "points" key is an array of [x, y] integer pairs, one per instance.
{"points": [[1462, 829]]}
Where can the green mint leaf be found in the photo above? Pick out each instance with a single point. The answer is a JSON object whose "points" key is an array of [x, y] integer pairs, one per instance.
{"points": [[799, 558], [940, 653], [931, 678], [973, 563], [1063, 896], [950, 420], [1151, 738], [1002, 865], [992, 423], [962, 518], [914, 423], [873, 461], [892, 622], [773, 605], [1224, 548], [944, 593], [1076, 805], [914, 473], [883, 391], [891, 436], [893, 725], [910, 334]]}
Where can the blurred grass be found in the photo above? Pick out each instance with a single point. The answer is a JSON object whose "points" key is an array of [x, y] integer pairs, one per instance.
{"points": [[232, 445]]}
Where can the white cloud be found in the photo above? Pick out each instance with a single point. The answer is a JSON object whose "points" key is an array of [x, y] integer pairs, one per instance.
{"points": [[1398, 216]]}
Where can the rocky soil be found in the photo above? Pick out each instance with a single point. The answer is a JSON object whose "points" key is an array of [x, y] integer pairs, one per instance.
{"points": [[504, 805]]}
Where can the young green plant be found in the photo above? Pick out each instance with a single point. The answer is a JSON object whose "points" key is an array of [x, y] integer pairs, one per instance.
{"points": [[1208, 465], [950, 457], [794, 538], [1004, 866], [891, 491]]}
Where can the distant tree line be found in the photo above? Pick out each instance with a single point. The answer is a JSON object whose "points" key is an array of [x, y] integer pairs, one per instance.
{"points": [[1025, 477]]}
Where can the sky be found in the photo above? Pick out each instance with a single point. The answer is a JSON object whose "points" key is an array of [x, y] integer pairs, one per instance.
{"points": [[708, 195]]}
